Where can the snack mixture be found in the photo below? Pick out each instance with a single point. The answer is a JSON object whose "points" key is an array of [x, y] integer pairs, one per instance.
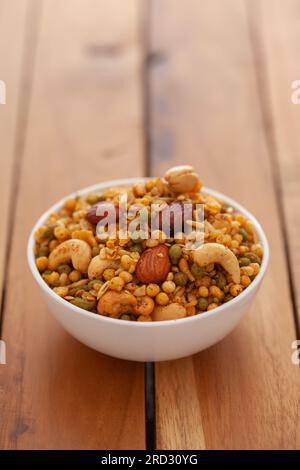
{"points": [[136, 278]]}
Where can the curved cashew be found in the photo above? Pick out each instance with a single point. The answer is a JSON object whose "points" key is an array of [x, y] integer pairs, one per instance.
{"points": [[217, 253], [182, 179], [98, 265], [116, 303], [168, 312], [77, 251]]}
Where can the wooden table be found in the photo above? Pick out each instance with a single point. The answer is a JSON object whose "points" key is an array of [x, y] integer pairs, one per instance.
{"points": [[106, 89]]}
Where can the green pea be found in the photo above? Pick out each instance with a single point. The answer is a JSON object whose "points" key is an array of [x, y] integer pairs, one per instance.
{"points": [[220, 280], [180, 279], [125, 316], [43, 251], [73, 291], [137, 247], [64, 268], [175, 252], [93, 198], [253, 258], [202, 304], [95, 251], [244, 261], [85, 304], [244, 234], [197, 271], [46, 273], [49, 232]]}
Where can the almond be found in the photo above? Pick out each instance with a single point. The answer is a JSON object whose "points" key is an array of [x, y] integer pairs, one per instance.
{"points": [[154, 265], [101, 210]]}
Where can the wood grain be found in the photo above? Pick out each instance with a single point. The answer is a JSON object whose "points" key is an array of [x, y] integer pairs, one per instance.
{"points": [[205, 110], [12, 27], [277, 29], [84, 125]]}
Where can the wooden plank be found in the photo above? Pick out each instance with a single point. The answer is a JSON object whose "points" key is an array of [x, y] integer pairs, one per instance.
{"points": [[277, 29], [84, 126], [12, 27], [205, 110]]}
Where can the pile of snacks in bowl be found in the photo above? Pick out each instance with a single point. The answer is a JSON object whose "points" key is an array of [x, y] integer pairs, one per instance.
{"points": [[158, 270]]}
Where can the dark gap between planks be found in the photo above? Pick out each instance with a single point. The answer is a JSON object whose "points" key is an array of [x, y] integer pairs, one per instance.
{"points": [[149, 367]]}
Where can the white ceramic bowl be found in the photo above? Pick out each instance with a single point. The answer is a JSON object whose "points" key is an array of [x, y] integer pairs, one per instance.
{"points": [[153, 341]]}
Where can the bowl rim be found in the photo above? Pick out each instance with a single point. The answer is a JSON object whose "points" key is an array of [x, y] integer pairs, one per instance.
{"points": [[162, 323]]}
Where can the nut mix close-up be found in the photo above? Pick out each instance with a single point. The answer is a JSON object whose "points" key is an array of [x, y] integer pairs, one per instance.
{"points": [[151, 274]]}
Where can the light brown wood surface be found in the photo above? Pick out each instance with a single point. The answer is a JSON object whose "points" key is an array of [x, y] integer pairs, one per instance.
{"points": [[85, 102], [278, 29], [12, 27], [206, 110], [214, 92]]}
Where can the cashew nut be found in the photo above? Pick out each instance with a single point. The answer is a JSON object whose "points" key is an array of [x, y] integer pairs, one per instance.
{"points": [[217, 253], [182, 179], [168, 312], [116, 303], [77, 251], [98, 265]]}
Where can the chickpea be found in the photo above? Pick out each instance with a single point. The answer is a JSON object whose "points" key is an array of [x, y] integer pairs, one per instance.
{"points": [[145, 305], [203, 291], [190, 310], [61, 233], [227, 239], [75, 276], [108, 274], [212, 306], [236, 289], [168, 286], [162, 298], [247, 270], [52, 279], [144, 318], [53, 244], [257, 250], [70, 205], [152, 290], [216, 292], [234, 244], [42, 263], [238, 237], [116, 283], [255, 267], [170, 277], [245, 280], [126, 276], [205, 281], [140, 189]]}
